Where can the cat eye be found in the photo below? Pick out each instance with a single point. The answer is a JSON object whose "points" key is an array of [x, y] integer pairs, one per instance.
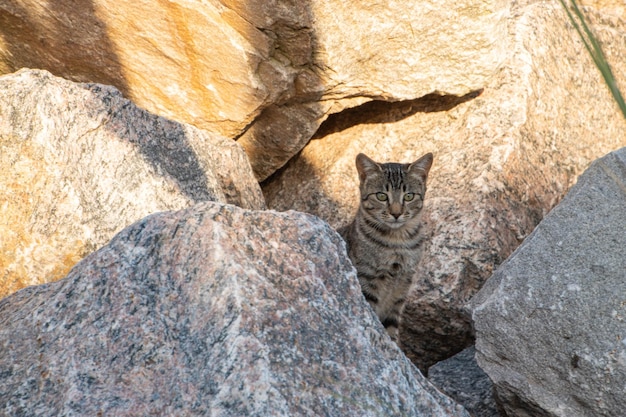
{"points": [[409, 196], [381, 196]]}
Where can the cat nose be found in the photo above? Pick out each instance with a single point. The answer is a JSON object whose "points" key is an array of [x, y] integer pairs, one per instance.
{"points": [[395, 210]]}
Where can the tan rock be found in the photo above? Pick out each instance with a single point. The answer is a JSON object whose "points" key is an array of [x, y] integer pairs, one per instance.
{"points": [[366, 51], [502, 160], [269, 71], [197, 62], [607, 7], [80, 162], [405, 50]]}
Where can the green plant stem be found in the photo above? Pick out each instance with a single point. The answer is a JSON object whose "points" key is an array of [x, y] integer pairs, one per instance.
{"points": [[592, 45]]}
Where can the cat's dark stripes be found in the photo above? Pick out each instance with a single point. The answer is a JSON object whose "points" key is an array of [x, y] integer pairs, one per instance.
{"points": [[385, 240]]}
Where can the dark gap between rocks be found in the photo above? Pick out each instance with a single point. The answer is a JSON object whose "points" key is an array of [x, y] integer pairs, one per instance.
{"points": [[379, 111]]}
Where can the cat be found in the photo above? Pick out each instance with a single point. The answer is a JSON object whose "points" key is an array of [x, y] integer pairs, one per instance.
{"points": [[384, 240]]}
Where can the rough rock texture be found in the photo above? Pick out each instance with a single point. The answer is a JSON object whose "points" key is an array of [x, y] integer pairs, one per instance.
{"points": [[213, 310], [361, 51], [502, 160], [269, 70], [461, 378], [551, 322], [609, 7], [80, 162]]}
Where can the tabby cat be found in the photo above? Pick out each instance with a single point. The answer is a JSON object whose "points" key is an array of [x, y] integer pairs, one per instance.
{"points": [[385, 241]]}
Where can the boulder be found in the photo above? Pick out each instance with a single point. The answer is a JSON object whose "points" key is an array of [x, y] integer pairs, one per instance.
{"points": [[266, 71], [80, 162], [502, 160], [197, 62], [363, 51], [551, 322], [212, 310], [462, 379]]}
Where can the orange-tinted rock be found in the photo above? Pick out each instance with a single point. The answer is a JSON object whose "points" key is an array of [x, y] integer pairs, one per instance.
{"points": [[80, 162], [246, 69]]}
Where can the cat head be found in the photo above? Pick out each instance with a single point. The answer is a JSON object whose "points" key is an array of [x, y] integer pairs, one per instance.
{"points": [[392, 194]]}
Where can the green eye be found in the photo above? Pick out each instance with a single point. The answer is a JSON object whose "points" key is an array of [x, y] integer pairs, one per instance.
{"points": [[409, 196], [381, 196]]}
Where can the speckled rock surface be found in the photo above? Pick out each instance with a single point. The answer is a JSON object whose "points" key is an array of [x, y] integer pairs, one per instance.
{"points": [[551, 322], [212, 310], [502, 160], [266, 70], [351, 52], [79, 162], [461, 378]]}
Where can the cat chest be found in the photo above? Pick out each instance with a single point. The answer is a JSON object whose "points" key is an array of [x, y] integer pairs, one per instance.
{"points": [[376, 262], [396, 259], [393, 264]]}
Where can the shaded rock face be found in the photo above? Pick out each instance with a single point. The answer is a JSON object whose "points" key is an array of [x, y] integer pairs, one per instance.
{"points": [[461, 378], [80, 162], [550, 323], [251, 68], [212, 310], [503, 159]]}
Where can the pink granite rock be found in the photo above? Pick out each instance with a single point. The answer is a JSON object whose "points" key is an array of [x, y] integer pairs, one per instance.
{"points": [[213, 310]]}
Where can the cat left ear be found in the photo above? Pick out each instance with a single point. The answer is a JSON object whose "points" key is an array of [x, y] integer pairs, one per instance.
{"points": [[365, 166], [423, 164]]}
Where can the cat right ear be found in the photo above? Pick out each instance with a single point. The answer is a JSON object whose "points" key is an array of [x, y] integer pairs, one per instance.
{"points": [[423, 164], [366, 166]]}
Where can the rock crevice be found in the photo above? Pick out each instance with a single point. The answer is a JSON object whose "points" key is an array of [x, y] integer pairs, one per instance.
{"points": [[549, 323]]}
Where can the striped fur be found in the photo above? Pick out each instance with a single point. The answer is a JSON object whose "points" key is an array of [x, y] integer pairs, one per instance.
{"points": [[385, 240]]}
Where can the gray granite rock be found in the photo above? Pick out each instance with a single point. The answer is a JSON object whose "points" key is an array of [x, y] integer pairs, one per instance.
{"points": [[461, 378], [551, 322], [213, 310]]}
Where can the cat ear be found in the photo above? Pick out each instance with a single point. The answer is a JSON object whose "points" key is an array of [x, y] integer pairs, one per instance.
{"points": [[423, 164], [366, 166]]}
